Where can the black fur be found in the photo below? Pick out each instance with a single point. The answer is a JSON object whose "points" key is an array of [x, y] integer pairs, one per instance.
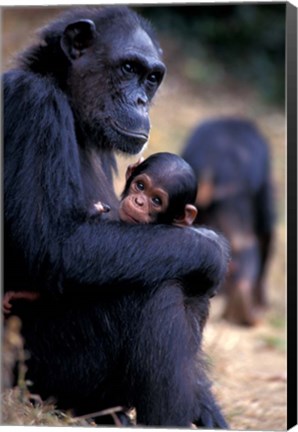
{"points": [[107, 329]]}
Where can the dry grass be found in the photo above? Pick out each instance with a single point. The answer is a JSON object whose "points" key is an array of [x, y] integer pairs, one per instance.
{"points": [[22, 410], [248, 366], [19, 406]]}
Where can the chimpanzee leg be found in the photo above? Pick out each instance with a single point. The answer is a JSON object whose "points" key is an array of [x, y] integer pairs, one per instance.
{"points": [[260, 295], [265, 221], [168, 378], [162, 361], [210, 415], [151, 365], [207, 413], [240, 306]]}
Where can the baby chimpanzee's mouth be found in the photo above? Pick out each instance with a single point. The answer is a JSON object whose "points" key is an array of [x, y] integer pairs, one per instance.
{"points": [[130, 217]]}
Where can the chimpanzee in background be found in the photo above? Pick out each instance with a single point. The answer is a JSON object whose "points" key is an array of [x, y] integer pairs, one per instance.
{"points": [[110, 327], [232, 163]]}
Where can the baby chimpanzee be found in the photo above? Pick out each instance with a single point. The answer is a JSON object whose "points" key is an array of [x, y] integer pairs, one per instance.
{"points": [[160, 189]]}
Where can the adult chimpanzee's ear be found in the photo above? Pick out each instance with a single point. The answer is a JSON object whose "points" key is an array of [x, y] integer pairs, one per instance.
{"points": [[77, 37], [190, 213]]}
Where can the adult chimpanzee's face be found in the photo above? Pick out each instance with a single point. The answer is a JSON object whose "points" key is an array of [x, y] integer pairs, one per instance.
{"points": [[111, 85], [144, 201]]}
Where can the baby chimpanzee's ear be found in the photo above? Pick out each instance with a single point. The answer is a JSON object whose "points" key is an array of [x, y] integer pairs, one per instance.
{"points": [[190, 213], [132, 167]]}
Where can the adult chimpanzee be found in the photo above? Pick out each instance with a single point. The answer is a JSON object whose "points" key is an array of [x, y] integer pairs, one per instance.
{"points": [[110, 327], [231, 160]]}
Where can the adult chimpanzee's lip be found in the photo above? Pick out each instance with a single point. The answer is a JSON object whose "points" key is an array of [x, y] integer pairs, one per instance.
{"points": [[130, 133]]}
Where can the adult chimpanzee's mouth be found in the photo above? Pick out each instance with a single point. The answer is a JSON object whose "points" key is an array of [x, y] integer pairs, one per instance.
{"points": [[140, 135]]}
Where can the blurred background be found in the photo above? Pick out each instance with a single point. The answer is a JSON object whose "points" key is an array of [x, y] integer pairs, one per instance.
{"points": [[221, 60]]}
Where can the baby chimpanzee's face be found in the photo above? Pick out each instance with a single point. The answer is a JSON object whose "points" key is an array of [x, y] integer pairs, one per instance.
{"points": [[144, 201]]}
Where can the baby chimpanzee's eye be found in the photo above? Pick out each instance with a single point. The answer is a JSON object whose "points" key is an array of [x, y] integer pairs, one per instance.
{"points": [[140, 185], [156, 201]]}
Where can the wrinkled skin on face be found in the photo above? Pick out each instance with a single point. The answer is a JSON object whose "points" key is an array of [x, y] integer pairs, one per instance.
{"points": [[126, 73], [144, 201]]}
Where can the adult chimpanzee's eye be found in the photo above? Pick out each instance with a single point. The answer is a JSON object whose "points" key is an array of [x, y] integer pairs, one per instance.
{"points": [[128, 68], [140, 185], [156, 201], [153, 78]]}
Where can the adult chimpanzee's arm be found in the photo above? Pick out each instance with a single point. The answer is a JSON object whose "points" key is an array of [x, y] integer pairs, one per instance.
{"points": [[44, 198], [117, 252]]}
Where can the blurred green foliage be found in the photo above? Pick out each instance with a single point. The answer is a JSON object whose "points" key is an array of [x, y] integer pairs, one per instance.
{"points": [[245, 42]]}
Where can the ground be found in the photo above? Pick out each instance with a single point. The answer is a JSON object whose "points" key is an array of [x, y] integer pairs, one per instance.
{"points": [[247, 365]]}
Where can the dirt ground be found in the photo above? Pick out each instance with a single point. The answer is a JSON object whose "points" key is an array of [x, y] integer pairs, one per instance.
{"points": [[248, 366]]}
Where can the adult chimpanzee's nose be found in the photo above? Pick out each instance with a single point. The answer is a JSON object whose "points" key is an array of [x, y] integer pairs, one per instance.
{"points": [[141, 98]]}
